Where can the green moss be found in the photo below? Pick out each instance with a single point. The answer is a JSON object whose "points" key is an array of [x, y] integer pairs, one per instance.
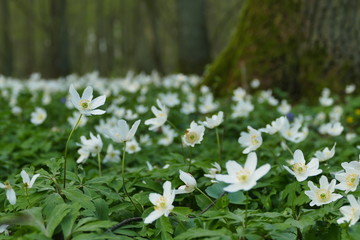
{"points": [[269, 43]]}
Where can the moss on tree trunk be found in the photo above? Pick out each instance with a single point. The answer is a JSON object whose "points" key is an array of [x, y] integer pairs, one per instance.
{"points": [[291, 44]]}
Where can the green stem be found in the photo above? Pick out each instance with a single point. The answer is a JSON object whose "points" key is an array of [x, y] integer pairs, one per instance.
{"points": [[246, 208], [190, 158], [123, 178], [66, 148], [287, 147], [205, 195], [27, 196], [218, 143], [99, 163]]}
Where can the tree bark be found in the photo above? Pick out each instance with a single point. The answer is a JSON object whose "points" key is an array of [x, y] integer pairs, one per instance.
{"points": [[194, 51], [7, 51], [59, 42]]}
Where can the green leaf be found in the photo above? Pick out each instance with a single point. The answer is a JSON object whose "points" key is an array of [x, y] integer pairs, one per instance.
{"points": [[75, 195], [203, 233], [164, 227], [237, 197], [102, 209], [67, 224], [95, 226], [56, 217], [216, 190]]}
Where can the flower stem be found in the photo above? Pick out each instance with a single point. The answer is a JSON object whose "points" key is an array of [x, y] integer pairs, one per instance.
{"points": [[190, 157], [246, 208], [27, 196], [66, 148], [205, 195], [99, 163], [218, 143], [287, 147], [123, 178]]}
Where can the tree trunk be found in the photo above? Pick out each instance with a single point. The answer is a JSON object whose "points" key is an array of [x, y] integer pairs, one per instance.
{"points": [[194, 51], [301, 46], [7, 67], [59, 45]]}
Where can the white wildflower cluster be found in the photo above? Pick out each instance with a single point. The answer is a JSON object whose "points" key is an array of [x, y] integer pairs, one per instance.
{"points": [[136, 119]]}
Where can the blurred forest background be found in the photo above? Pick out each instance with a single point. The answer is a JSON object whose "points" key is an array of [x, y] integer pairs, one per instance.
{"points": [[296, 45]]}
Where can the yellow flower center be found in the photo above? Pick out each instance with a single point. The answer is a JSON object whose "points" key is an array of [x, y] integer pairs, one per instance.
{"points": [[132, 147], [243, 175], [161, 203], [323, 195], [191, 137], [85, 104], [254, 140], [299, 168], [350, 180]]}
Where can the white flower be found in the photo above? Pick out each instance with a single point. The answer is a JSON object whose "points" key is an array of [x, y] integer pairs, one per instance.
{"points": [[190, 183], [255, 83], [333, 128], [132, 146], [214, 121], [112, 155], [39, 116], [251, 141], [169, 133], [243, 178], [336, 113], [350, 88], [3, 229], [350, 136], [351, 213], [194, 134], [26, 179], [16, 110], [187, 108], [122, 133], [324, 194], [325, 154], [275, 126], [169, 99], [325, 100], [85, 104], [239, 94], [291, 132], [242, 108], [161, 115], [10, 193], [84, 155], [213, 172], [162, 203], [92, 145], [207, 104], [284, 107], [349, 179], [300, 169]]}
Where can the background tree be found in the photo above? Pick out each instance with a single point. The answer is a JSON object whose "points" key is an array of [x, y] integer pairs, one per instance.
{"points": [[300, 46]]}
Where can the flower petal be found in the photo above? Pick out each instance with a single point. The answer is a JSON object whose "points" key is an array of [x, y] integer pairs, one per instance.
{"points": [[261, 171], [11, 196], [87, 94], [133, 130], [25, 177], [153, 216], [251, 162], [97, 102]]}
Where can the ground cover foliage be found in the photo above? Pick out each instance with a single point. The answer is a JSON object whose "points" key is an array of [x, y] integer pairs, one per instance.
{"points": [[280, 202]]}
